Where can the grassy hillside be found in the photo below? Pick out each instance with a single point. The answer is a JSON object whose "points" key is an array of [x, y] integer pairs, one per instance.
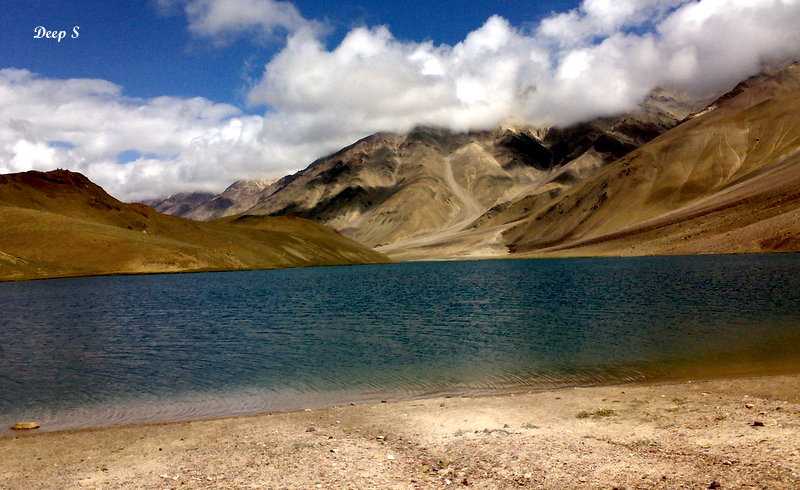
{"points": [[58, 224]]}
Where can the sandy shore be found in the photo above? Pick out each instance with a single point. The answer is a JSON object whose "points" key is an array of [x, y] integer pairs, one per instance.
{"points": [[679, 435]]}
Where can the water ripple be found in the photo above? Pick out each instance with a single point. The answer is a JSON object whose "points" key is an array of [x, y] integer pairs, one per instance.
{"points": [[111, 350]]}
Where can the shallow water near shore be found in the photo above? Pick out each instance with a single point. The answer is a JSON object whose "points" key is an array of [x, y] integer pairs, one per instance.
{"points": [[114, 350]]}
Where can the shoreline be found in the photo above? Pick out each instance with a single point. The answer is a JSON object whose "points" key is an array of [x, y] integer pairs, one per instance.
{"points": [[600, 436], [784, 368], [522, 256], [181, 272]]}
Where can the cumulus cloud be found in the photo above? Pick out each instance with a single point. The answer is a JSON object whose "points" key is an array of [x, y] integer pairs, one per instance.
{"points": [[85, 125], [223, 19], [596, 18], [599, 59], [371, 79]]}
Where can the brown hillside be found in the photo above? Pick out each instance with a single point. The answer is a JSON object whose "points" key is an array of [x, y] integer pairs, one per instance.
{"points": [[724, 181], [398, 191], [61, 224]]}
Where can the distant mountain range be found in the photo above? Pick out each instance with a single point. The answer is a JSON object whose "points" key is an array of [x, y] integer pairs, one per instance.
{"points": [[58, 224], [237, 198], [676, 176]]}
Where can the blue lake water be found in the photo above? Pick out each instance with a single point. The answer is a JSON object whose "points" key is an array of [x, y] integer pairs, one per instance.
{"points": [[109, 350]]}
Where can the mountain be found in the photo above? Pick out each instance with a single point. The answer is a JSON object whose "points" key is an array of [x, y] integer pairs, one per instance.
{"points": [[401, 191], [180, 204], [721, 179], [203, 206], [675, 177], [237, 198], [724, 181], [59, 223]]}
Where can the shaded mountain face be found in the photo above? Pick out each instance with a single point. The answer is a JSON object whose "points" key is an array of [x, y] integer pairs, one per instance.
{"points": [[398, 191], [59, 223]]}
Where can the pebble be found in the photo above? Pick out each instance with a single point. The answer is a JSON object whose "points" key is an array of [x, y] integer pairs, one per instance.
{"points": [[715, 484], [390, 457], [748, 405], [26, 425], [757, 423]]}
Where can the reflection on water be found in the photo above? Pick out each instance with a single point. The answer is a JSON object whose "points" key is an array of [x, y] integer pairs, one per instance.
{"points": [[107, 350]]}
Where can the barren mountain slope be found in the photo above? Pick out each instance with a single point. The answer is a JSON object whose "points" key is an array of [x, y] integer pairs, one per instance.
{"points": [[654, 182], [237, 198], [203, 206], [61, 224], [724, 181], [180, 204], [399, 191]]}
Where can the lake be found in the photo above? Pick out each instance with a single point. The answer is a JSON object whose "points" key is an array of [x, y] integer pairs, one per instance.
{"points": [[112, 350]]}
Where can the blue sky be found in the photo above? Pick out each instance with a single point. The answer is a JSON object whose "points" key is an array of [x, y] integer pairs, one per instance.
{"points": [[151, 52]]}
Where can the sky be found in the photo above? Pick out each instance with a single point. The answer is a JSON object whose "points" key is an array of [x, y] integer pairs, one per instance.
{"points": [[161, 96], [147, 48]]}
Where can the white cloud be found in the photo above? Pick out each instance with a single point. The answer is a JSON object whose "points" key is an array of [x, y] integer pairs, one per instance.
{"points": [[190, 143], [600, 59], [222, 19], [596, 18], [727, 40], [373, 80]]}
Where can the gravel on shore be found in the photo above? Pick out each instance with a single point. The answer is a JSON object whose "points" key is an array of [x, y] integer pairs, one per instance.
{"points": [[730, 433]]}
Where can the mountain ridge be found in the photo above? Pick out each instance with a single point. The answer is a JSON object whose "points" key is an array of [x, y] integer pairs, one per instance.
{"points": [[525, 191], [204, 206], [747, 133], [389, 188]]}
